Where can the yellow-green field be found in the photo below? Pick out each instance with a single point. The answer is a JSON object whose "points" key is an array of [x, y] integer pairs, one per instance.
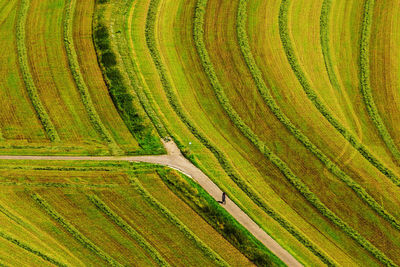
{"points": [[86, 214], [290, 106]]}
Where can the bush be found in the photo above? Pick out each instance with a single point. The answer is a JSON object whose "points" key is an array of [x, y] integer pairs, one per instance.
{"points": [[122, 98]]}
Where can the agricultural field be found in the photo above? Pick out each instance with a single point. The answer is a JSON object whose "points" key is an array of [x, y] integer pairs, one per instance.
{"points": [[113, 214], [290, 107]]}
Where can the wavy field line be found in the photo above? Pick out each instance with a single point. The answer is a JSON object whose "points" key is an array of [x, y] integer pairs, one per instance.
{"points": [[285, 170], [27, 76], [290, 54], [74, 232], [80, 82], [269, 100], [324, 39], [126, 51], [129, 230], [174, 220], [31, 250], [365, 80], [219, 155]]}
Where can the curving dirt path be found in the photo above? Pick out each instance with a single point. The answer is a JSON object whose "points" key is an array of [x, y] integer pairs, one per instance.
{"points": [[176, 160]]}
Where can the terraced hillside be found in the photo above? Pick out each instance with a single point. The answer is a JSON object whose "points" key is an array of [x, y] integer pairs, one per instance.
{"points": [[290, 107]]}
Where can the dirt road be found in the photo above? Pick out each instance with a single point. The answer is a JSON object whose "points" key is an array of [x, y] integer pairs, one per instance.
{"points": [[175, 159]]}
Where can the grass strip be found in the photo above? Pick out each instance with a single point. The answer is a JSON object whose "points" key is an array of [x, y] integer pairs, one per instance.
{"points": [[74, 232], [26, 74], [123, 98], [31, 249], [61, 185], [285, 170], [273, 106], [175, 221], [366, 89], [80, 82], [119, 39], [206, 206], [290, 54], [219, 155], [129, 230]]}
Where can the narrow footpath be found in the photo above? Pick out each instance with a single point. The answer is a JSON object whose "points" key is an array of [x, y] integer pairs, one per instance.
{"points": [[176, 160]]}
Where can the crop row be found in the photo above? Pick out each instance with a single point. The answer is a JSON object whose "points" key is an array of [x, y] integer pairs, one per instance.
{"points": [[31, 250], [219, 155], [125, 51], [79, 81], [365, 79], [269, 100], [175, 221], [289, 51], [60, 185], [200, 201], [73, 231], [285, 170], [26, 74], [119, 91], [128, 229]]}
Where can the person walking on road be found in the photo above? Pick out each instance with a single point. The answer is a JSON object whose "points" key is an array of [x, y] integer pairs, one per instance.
{"points": [[223, 198]]}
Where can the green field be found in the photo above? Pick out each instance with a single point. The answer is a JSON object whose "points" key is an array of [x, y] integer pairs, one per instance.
{"points": [[291, 107]]}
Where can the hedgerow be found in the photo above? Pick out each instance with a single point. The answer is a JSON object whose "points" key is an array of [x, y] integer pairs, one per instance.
{"points": [[289, 51], [80, 82], [27, 76], [219, 155], [74, 232], [269, 100], [129, 230], [201, 202], [119, 91], [365, 79], [175, 221], [31, 250], [285, 170], [125, 52]]}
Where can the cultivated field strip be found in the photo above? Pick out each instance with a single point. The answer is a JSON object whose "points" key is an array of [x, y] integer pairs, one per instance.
{"points": [[125, 51], [27, 76], [174, 220], [129, 230], [79, 81], [295, 181], [73, 231], [384, 64], [366, 82], [30, 249], [124, 97], [289, 50]]}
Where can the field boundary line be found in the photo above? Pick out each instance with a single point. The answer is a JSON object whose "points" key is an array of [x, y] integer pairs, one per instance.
{"points": [[289, 51], [73, 231], [285, 170], [366, 89], [26, 74], [175, 221], [275, 109], [80, 82], [31, 250]]}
